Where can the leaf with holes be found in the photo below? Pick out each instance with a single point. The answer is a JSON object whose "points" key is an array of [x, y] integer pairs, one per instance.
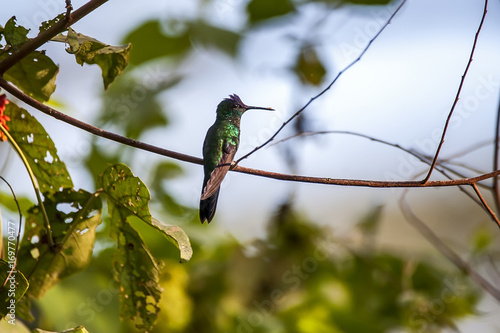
{"points": [[39, 149], [135, 270], [74, 216], [13, 290], [111, 59], [129, 193], [35, 74]]}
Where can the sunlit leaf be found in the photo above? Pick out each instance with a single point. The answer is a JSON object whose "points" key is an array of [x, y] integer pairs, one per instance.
{"points": [[176, 236], [129, 193], [259, 10], [79, 329], [111, 59], [74, 216], [151, 42], [14, 289], [39, 149]]}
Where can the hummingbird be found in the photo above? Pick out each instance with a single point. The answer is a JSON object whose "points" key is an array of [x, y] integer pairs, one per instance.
{"points": [[220, 146]]}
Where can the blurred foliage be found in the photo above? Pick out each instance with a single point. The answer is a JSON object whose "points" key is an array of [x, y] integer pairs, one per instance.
{"points": [[300, 278]]}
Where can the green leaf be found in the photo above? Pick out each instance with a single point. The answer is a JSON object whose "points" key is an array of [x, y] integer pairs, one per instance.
{"points": [[7, 201], [134, 107], [176, 236], [39, 149], [47, 24], [210, 36], [136, 271], [129, 193], [13, 291], [79, 329], [74, 216], [36, 73], [482, 239], [15, 35], [260, 10], [150, 42], [111, 59], [309, 68]]}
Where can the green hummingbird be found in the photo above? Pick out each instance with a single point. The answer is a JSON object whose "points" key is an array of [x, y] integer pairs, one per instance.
{"points": [[220, 146]]}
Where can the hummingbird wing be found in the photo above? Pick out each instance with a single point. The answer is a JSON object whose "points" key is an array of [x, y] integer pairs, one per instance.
{"points": [[212, 184]]}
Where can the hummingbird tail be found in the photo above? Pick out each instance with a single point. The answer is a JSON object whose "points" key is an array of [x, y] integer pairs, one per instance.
{"points": [[207, 207]]}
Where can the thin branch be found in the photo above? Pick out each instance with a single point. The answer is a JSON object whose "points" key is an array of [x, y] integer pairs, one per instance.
{"points": [[496, 189], [92, 129], [459, 91], [296, 114], [13, 269], [196, 160], [46, 35], [486, 206], [451, 255]]}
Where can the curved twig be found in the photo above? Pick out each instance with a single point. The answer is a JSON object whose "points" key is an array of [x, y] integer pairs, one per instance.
{"points": [[445, 129], [296, 114]]}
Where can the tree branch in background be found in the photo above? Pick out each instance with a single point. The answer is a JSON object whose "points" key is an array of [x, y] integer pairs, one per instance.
{"points": [[496, 190], [452, 256], [47, 35], [426, 179], [296, 114]]}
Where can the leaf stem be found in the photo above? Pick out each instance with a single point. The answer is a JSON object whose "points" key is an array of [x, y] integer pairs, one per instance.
{"points": [[33, 181]]}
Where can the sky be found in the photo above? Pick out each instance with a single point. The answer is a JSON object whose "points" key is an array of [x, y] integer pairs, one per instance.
{"points": [[401, 91]]}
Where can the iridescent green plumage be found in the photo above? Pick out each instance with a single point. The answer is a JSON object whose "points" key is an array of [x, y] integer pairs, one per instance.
{"points": [[219, 148]]}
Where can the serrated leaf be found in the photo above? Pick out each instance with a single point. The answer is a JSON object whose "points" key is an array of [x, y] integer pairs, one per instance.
{"points": [[136, 271], [176, 236], [13, 291], [260, 10], [15, 35], [130, 194], [39, 149], [74, 216], [111, 59], [150, 42]]}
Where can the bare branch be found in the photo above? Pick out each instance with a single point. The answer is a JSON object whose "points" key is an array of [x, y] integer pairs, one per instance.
{"points": [[46, 35], [496, 189], [486, 206], [451, 255], [296, 114], [458, 95]]}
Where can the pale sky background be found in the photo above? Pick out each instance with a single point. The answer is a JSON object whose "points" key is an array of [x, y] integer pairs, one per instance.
{"points": [[400, 91]]}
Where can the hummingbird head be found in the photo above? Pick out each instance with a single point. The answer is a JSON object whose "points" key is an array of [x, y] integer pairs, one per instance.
{"points": [[234, 107]]}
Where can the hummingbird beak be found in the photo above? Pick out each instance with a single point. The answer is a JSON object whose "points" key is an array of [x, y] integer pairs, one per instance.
{"points": [[258, 108]]}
